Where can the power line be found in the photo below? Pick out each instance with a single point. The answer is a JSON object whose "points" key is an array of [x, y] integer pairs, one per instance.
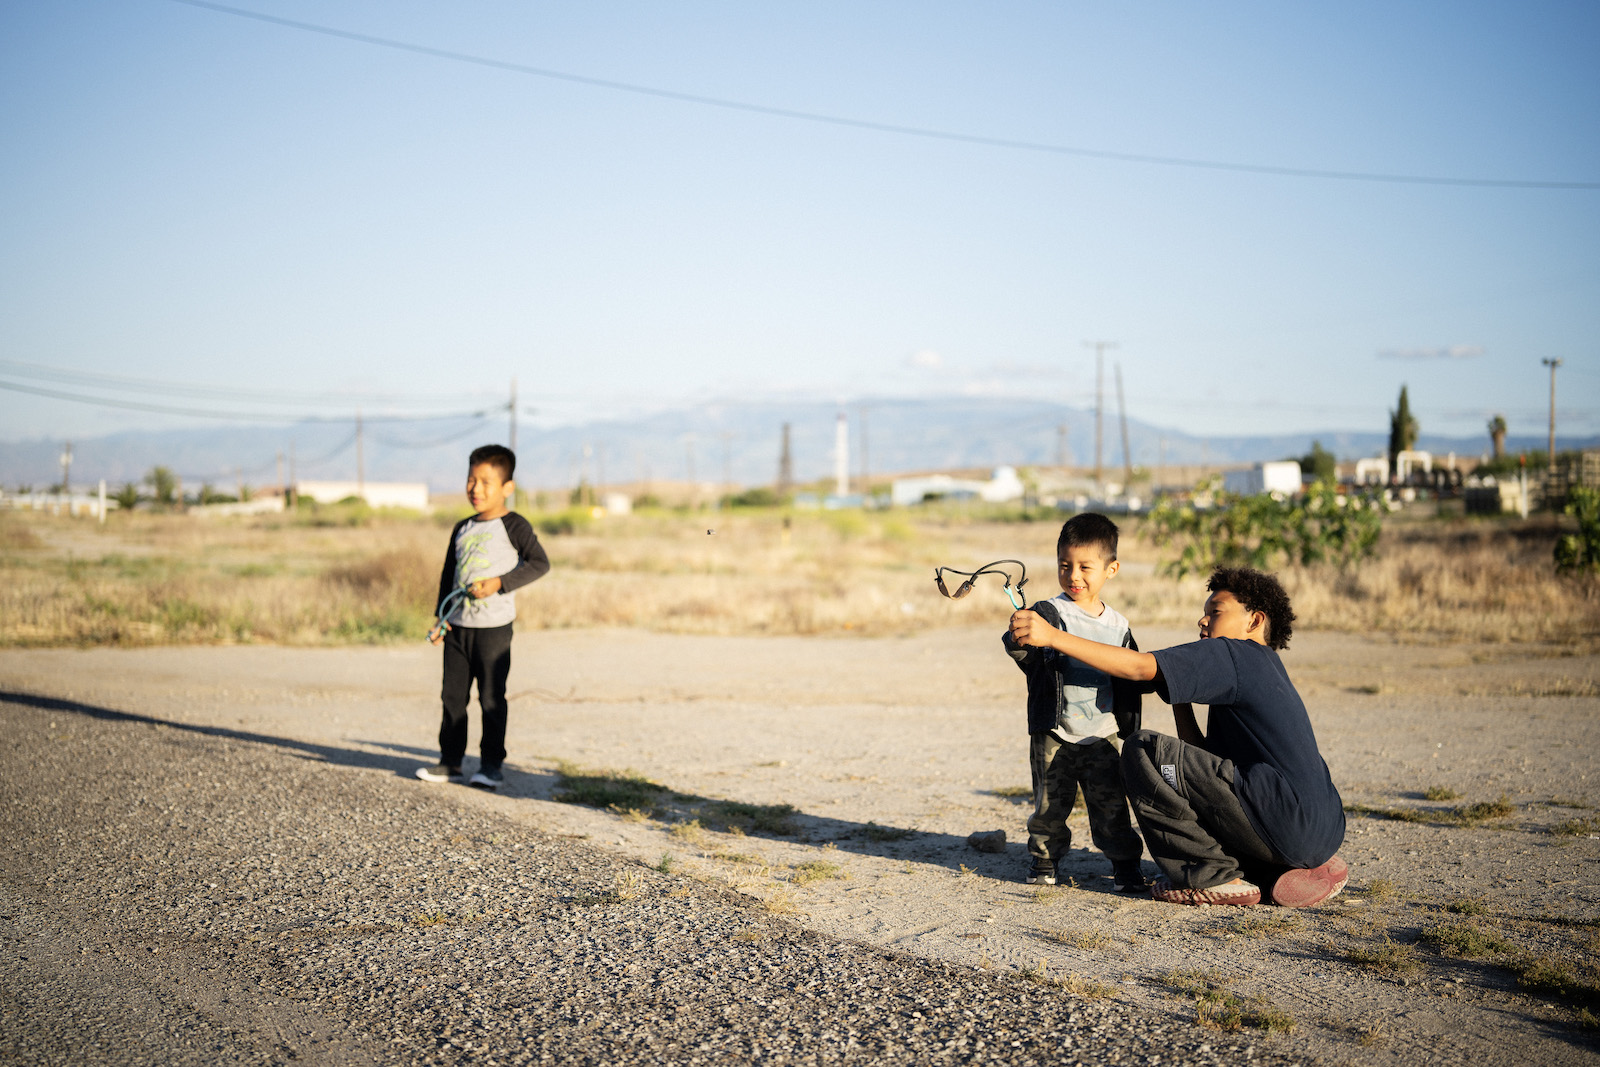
{"points": [[227, 416], [884, 127], [17, 368]]}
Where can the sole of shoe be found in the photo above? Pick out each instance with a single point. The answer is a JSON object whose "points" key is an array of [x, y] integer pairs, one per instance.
{"points": [[1312, 886], [1041, 879], [1240, 896], [480, 782], [427, 775]]}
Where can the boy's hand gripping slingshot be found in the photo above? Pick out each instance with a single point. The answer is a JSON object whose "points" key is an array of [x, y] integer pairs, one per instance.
{"points": [[447, 606], [1013, 589]]}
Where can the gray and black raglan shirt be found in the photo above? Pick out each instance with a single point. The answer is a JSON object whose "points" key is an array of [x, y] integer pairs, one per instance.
{"points": [[504, 548]]}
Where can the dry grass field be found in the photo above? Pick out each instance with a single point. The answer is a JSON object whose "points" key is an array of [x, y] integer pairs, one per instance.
{"points": [[341, 576]]}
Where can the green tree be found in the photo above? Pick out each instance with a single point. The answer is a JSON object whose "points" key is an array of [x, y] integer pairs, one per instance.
{"points": [[1497, 437], [1402, 430], [163, 486], [1321, 464], [127, 497]]}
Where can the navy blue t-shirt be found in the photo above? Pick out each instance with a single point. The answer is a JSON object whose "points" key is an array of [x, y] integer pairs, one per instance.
{"points": [[1259, 722]]}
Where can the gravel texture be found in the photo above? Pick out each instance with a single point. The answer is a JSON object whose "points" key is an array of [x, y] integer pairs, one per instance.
{"points": [[181, 894]]}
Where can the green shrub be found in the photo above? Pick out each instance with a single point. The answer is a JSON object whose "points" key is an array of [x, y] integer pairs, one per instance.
{"points": [[1580, 552], [1321, 526]]}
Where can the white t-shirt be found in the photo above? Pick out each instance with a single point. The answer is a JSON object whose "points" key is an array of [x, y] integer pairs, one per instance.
{"points": [[1086, 691]]}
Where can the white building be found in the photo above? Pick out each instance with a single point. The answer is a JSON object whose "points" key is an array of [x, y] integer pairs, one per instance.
{"points": [[1282, 476], [413, 495], [1003, 485]]}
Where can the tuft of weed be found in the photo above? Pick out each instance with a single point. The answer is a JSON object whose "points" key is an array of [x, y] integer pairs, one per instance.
{"points": [[1397, 814], [1541, 974], [1473, 814], [815, 871], [1468, 906], [776, 820], [617, 791], [1378, 890], [1087, 940], [1440, 792], [1390, 957], [667, 864], [1217, 1007], [690, 832], [873, 832], [1192, 980], [429, 918], [1587, 1019], [1579, 827], [1085, 987], [1013, 792], [1465, 939], [1270, 926]]}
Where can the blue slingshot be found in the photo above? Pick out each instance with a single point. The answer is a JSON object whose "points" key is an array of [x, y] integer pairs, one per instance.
{"points": [[1013, 589], [453, 600]]}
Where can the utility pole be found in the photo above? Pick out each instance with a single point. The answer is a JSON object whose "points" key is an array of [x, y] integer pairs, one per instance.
{"points": [[785, 465], [512, 407], [841, 455], [727, 461], [280, 476], [1550, 465], [66, 470], [866, 467], [1061, 445], [1099, 398], [361, 461], [1122, 416], [294, 491]]}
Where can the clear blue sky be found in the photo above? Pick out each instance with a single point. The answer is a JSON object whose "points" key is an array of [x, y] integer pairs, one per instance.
{"points": [[195, 196]]}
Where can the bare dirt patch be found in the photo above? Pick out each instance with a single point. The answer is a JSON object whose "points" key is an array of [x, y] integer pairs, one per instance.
{"points": [[836, 780]]}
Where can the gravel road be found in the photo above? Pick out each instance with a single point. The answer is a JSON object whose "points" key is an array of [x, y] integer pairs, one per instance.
{"points": [[176, 894]]}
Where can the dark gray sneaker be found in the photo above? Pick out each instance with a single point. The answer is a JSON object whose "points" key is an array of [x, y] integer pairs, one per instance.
{"points": [[489, 778], [440, 772], [1043, 872], [1130, 878]]}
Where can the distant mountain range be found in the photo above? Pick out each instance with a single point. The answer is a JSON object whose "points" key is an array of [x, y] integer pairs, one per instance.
{"points": [[737, 442]]}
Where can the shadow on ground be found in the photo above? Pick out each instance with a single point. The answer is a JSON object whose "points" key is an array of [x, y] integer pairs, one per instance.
{"points": [[623, 793]]}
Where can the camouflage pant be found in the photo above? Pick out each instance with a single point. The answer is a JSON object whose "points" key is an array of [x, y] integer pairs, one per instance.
{"points": [[1059, 771]]}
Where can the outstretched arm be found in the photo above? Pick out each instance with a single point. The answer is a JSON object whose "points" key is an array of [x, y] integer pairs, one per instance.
{"points": [[1027, 628]]}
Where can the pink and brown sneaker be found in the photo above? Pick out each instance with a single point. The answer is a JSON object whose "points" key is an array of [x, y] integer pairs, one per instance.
{"points": [[1238, 893], [1311, 886]]}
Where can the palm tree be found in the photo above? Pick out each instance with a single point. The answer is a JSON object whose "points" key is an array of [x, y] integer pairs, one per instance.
{"points": [[1497, 436]]}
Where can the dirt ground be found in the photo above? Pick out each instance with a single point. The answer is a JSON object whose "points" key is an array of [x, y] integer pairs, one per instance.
{"points": [[894, 750]]}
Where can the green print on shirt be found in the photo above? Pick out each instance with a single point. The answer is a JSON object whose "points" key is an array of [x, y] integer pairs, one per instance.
{"points": [[471, 553]]}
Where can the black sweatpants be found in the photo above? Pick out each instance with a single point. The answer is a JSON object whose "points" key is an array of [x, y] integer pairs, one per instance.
{"points": [[1193, 824], [482, 655]]}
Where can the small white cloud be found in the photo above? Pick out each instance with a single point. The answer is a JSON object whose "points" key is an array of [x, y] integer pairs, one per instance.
{"points": [[1444, 352], [925, 359]]}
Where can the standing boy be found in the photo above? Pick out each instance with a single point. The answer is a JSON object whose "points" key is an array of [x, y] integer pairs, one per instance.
{"points": [[1246, 810], [1074, 710], [491, 554]]}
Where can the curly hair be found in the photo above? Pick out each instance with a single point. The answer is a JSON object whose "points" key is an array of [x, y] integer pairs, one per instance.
{"points": [[1258, 591]]}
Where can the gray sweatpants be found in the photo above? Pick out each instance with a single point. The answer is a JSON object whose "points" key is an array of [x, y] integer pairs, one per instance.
{"points": [[1194, 826]]}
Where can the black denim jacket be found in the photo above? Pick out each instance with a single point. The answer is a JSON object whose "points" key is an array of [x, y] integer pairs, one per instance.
{"points": [[1046, 696]]}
